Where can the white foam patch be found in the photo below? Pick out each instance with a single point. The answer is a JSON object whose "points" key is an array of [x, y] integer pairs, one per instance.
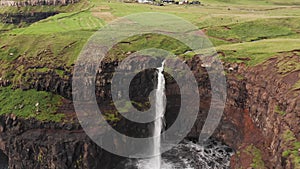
{"points": [[189, 155], [147, 164], [187, 164]]}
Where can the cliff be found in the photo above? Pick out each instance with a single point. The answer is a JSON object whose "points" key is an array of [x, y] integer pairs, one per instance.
{"points": [[36, 2]]}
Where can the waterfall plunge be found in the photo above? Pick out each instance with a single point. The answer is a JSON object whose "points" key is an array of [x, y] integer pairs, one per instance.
{"points": [[159, 115], [160, 102], [186, 155]]}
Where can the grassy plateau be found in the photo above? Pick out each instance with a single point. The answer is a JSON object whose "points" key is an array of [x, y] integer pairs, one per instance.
{"points": [[249, 31], [242, 31]]}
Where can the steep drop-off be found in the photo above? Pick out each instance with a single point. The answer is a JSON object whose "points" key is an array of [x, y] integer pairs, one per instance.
{"points": [[260, 118]]}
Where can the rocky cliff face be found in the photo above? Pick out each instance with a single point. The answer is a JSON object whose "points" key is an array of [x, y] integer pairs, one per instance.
{"points": [[36, 2], [274, 104], [28, 18], [256, 119], [34, 144]]}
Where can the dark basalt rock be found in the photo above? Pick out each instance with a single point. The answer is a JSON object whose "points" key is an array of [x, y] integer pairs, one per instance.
{"points": [[36, 2], [57, 145], [3, 161], [28, 18], [32, 144]]}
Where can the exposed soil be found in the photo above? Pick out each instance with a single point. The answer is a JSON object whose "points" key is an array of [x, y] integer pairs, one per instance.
{"points": [[102, 12]]}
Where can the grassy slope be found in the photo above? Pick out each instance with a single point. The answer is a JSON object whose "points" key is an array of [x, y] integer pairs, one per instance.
{"points": [[255, 2], [68, 8], [258, 51], [40, 105], [251, 29], [48, 44], [273, 28]]}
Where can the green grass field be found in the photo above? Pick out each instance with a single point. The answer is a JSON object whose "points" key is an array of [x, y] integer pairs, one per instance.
{"points": [[251, 29], [258, 51], [30, 104], [64, 22]]}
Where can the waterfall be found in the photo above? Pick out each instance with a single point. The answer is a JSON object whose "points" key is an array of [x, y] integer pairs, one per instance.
{"points": [[159, 115], [185, 155], [155, 162]]}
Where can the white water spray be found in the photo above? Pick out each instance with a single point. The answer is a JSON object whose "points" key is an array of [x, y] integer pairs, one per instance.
{"points": [[159, 115], [198, 157]]}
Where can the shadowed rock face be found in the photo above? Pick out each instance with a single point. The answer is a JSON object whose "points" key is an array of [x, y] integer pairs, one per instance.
{"points": [[65, 145], [34, 144], [36, 2], [248, 119], [3, 160], [29, 18]]}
